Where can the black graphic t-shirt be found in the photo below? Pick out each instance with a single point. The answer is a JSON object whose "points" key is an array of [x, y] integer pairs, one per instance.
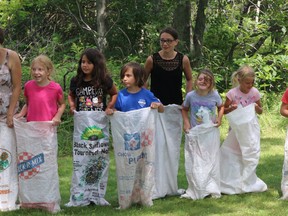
{"points": [[89, 98]]}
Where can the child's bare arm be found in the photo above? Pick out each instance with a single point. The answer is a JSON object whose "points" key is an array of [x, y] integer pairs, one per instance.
{"points": [[71, 102], [22, 113], [186, 121], [220, 115], [113, 97], [61, 108], [229, 106], [284, 109], [258, 107]]}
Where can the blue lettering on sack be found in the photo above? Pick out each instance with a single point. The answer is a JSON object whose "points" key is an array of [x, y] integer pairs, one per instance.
{"points": [[31, 163], [136, 159]]}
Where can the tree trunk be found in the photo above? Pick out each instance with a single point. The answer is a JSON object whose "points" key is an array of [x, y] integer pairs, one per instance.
{"points": [[257, 12], [199, 32], [182, 23], [101, 24]]}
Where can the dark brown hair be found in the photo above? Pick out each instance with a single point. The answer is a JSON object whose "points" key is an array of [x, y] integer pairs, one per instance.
{"points": [[138, 72], [99, 73], [1, 36], [171, 31]]}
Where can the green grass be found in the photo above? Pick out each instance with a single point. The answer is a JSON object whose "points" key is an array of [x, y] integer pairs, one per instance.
{"points": [[273, 131]]}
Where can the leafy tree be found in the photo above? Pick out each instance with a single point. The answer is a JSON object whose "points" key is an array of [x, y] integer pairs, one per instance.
{"points": [[225, 33]]}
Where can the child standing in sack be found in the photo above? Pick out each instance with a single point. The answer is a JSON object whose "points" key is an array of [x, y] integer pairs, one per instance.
{"points": [[88, 101], [135, 96], [44, 98], [92, 84], [37, 138], [202, 139], [240, 151], [133, 130], [243, 92], [284, 181]]}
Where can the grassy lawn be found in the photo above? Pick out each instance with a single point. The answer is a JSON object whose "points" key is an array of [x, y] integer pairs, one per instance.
{"points": [[273, 131]]}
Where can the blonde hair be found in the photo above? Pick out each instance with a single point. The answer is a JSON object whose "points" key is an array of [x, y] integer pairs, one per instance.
{"points": [[210, 75], [46, 62], [241, 74]]}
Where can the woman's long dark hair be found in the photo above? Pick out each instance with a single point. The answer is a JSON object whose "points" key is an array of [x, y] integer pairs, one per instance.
{"points": [[99, 73]]}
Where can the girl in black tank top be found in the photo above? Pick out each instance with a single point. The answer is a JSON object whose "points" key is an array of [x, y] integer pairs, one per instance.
{"points": [[166, 67]]}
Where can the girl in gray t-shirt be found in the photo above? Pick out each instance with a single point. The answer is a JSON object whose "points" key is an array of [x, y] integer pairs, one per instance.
{"points": [[203, 103]]}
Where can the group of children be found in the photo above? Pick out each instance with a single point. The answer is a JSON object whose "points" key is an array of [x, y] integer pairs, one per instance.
{"points": [[88, 91], [202, 108]]}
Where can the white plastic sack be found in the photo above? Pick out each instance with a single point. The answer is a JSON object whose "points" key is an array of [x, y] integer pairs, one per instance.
{"points": [[202, 145], [37, 165], [284, 181], [168, 141], [8, 169], [240, 153], [134, 147], [90, 158]]}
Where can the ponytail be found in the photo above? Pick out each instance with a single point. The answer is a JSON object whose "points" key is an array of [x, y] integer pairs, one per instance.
{"points": [[240, 74], [234, 79]]}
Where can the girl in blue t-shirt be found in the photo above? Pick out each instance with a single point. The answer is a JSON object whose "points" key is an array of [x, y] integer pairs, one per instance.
{"points": [[134, 96]]}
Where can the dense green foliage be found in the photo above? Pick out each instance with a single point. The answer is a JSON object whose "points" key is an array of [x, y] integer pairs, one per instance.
{"points": [[235, 33]]}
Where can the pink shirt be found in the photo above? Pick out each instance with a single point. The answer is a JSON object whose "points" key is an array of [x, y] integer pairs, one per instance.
{"points": [[238, 97], [42, 100], [285, 97]]}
